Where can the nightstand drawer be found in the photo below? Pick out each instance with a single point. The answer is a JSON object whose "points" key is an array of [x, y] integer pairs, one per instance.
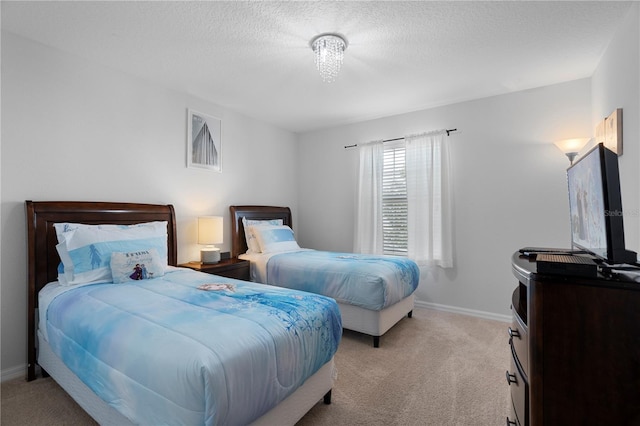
{"points": [[230, 268], [239, 273]]}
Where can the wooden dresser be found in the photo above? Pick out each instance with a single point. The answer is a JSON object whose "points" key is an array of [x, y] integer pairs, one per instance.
{"points": [[575, 349]]}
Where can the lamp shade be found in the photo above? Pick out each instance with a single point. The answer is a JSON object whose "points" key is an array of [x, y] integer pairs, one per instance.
{"points": [[210, 230], [572, 145]]}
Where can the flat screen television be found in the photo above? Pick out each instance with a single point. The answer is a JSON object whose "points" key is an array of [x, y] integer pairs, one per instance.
{"points": [[595, 205]]}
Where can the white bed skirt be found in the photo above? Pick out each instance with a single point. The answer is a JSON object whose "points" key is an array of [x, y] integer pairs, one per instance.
{"points": [[288, 412], [374, 323]]}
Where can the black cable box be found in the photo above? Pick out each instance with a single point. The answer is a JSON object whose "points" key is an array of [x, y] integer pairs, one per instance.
{"points": [[561, 264], [532, 251]]}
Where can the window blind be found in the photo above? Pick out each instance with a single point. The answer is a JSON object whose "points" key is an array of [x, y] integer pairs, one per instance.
{"points": [[394, 200]]}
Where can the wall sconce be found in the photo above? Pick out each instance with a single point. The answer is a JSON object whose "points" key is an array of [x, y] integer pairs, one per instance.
{"points": [[210, 232], [571, 147]]}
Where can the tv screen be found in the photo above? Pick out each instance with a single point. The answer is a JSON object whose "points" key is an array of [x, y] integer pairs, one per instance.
{"points": [[595, 205]]}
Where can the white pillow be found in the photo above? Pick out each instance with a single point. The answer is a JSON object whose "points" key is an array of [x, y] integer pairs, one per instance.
{"points": [[63, 227], [252, 244], [274, 239], [134, 266], [85, 251]]}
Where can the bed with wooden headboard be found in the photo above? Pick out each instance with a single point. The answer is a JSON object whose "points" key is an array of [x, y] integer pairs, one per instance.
{"points": [[43, 258], [356, 318], [43, 261]]}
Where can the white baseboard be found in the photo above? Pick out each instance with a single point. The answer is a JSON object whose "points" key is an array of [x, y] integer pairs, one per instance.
{"points": [[464, 311], [13, 373]]}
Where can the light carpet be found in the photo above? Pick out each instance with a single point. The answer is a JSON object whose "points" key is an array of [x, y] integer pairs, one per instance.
{"points": [[436, 368]]}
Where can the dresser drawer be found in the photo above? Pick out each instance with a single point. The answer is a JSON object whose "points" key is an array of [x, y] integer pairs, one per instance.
{"points": [[519, 392], [512, 419], [519, 341]]}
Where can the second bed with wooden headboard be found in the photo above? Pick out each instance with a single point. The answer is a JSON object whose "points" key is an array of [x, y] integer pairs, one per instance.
{"points": [[373, 292]]}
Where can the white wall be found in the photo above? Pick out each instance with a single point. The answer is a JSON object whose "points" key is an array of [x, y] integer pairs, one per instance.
{"points": [[509, 180], [74, 130], [509, 185], [616, 84]]}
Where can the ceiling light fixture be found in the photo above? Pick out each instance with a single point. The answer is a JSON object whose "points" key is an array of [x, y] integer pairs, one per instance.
{"points": [[329, 51]]}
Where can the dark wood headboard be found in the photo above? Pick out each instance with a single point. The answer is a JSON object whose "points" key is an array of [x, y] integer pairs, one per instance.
{"points": [[43, 258], [238, 240]]}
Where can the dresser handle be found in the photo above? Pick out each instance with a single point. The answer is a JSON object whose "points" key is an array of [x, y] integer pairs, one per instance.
{"points": [[511, 378], [514, 333], [511, 422]]}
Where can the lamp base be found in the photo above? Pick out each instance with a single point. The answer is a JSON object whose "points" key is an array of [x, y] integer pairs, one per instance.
{"points": [[210, 255], [571, 156]]}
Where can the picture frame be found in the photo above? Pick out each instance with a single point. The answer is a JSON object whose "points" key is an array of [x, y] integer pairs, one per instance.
{"points": [[204, 141], [613, 131]]}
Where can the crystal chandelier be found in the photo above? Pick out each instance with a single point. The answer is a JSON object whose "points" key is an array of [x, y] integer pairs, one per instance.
{"points": [[329, 51]]}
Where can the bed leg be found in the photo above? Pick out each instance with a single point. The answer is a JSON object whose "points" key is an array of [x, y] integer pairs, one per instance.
{"points": [[376, 341], [410, 314], [31, 372], [44, 373], [327, 397]]}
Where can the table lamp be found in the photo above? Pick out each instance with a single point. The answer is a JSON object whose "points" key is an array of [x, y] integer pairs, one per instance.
{"points": [[210, 233]]}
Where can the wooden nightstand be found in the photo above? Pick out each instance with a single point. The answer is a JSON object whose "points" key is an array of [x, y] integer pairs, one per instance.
{"points": [[230, 268]]}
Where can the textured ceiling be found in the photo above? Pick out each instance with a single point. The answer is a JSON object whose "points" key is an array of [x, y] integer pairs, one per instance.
{"points": [[254, 57]]}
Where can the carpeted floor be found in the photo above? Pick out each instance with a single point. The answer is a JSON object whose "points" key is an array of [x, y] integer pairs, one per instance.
{"points": [[436, 368]]}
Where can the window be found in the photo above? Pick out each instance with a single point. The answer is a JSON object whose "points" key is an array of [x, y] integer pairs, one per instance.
{"points": [[394, 200], [403, 202]]}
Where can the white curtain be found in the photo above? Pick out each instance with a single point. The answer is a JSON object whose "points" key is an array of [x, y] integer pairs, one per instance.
{"points": [[429, 199], [368, 233]]}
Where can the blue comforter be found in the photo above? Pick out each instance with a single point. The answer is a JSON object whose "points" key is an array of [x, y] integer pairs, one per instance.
{"points": [[369, 281], [162, 351]]}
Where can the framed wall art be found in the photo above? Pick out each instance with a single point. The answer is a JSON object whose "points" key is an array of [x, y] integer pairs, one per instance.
{"points": [[613, 131], [609, 131], [204, 143]]}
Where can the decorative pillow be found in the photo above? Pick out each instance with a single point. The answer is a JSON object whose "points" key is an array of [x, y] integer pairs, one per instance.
{"points": [[252, 244], [273, 239], [63, 227], [85, 251], [137, 265]]}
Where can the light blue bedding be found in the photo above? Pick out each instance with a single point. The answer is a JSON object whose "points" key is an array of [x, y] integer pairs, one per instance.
{"points": [[162, 351], [369, 281]]}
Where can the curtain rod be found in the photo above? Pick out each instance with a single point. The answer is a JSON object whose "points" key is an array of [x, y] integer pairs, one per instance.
{"points": [[399, 139]]}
